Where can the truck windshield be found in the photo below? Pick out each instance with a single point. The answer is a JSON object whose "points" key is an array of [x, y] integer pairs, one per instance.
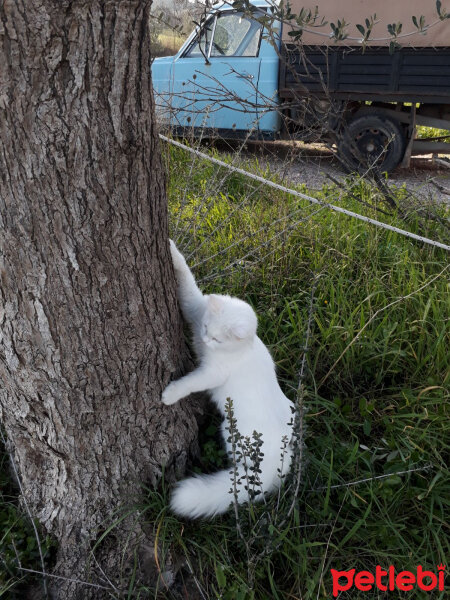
{"points": [[232, 33]]}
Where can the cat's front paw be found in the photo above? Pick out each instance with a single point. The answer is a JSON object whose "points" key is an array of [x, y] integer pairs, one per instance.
{"points": [[171, 394], [179, 262]]}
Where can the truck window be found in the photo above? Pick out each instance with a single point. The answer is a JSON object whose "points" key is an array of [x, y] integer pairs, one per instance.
{"points": [[234, 35], [201, 45]]}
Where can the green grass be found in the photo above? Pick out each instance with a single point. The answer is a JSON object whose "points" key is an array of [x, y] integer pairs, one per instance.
{"points": [[432, 132], [376, 388], [17, 539], [377, 402], [170, 40], [167, 42]]}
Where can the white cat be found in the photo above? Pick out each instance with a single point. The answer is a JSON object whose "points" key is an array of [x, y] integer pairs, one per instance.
{"points": [[235, 364]]}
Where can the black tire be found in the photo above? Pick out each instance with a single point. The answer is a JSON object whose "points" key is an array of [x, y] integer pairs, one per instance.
{"points": [[371, 140]]}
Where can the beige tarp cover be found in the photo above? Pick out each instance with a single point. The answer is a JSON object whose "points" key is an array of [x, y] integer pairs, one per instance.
{"points": [[388, 11]]}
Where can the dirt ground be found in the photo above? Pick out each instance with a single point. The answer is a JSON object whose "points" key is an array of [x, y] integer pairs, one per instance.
{"points": [[314, 164]]}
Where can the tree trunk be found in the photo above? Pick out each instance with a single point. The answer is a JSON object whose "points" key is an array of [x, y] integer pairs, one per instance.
{"points": [[90, 332]]}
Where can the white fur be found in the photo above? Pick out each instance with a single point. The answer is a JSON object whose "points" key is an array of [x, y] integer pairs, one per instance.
{"points": [[235, 364]]}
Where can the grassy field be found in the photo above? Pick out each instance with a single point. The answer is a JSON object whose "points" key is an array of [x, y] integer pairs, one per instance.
{"points": [[376, 385], [167, 43], [375, 487]]}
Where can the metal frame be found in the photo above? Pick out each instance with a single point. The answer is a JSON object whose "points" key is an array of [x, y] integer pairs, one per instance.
{"points": [[394, 93], [215, 16]]}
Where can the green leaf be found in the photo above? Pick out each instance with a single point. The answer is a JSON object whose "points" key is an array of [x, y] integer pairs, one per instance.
{"points": [[220, 575], [363, 406], [393, 481], [393, 46]]}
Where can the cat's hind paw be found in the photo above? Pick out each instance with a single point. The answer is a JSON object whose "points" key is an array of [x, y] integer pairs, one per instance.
{"points": [[171, 394]]}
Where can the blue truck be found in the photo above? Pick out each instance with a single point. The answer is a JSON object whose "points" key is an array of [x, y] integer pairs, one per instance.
{"points": [[238, 77]]}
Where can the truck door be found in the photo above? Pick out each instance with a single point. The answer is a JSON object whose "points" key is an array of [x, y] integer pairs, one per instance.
{"points": [[215, 79]]}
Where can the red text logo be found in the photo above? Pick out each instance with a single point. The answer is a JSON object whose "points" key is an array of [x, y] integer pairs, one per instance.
{"points": [[388, 580]]}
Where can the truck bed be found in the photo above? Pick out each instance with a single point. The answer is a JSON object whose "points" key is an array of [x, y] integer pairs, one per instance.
{"points": [[407, 75]]}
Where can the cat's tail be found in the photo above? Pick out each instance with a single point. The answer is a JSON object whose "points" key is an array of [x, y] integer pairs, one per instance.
{"points": [[204, 495]]}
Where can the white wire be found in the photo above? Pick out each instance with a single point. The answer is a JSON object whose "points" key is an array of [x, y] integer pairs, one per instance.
{"points": [[283, 188]]}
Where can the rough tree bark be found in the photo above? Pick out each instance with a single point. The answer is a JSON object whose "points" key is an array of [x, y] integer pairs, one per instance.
{"points": [[90, 331]]}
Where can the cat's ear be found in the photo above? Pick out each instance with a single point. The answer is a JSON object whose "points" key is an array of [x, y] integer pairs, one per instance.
{"points": [[241, 330], [215, 304]]}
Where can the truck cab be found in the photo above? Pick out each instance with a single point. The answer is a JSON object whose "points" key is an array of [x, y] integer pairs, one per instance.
{"points": [[224, 78]]}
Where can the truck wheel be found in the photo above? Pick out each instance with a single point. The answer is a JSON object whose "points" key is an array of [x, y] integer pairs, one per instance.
{"points": [[371, 140]]}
